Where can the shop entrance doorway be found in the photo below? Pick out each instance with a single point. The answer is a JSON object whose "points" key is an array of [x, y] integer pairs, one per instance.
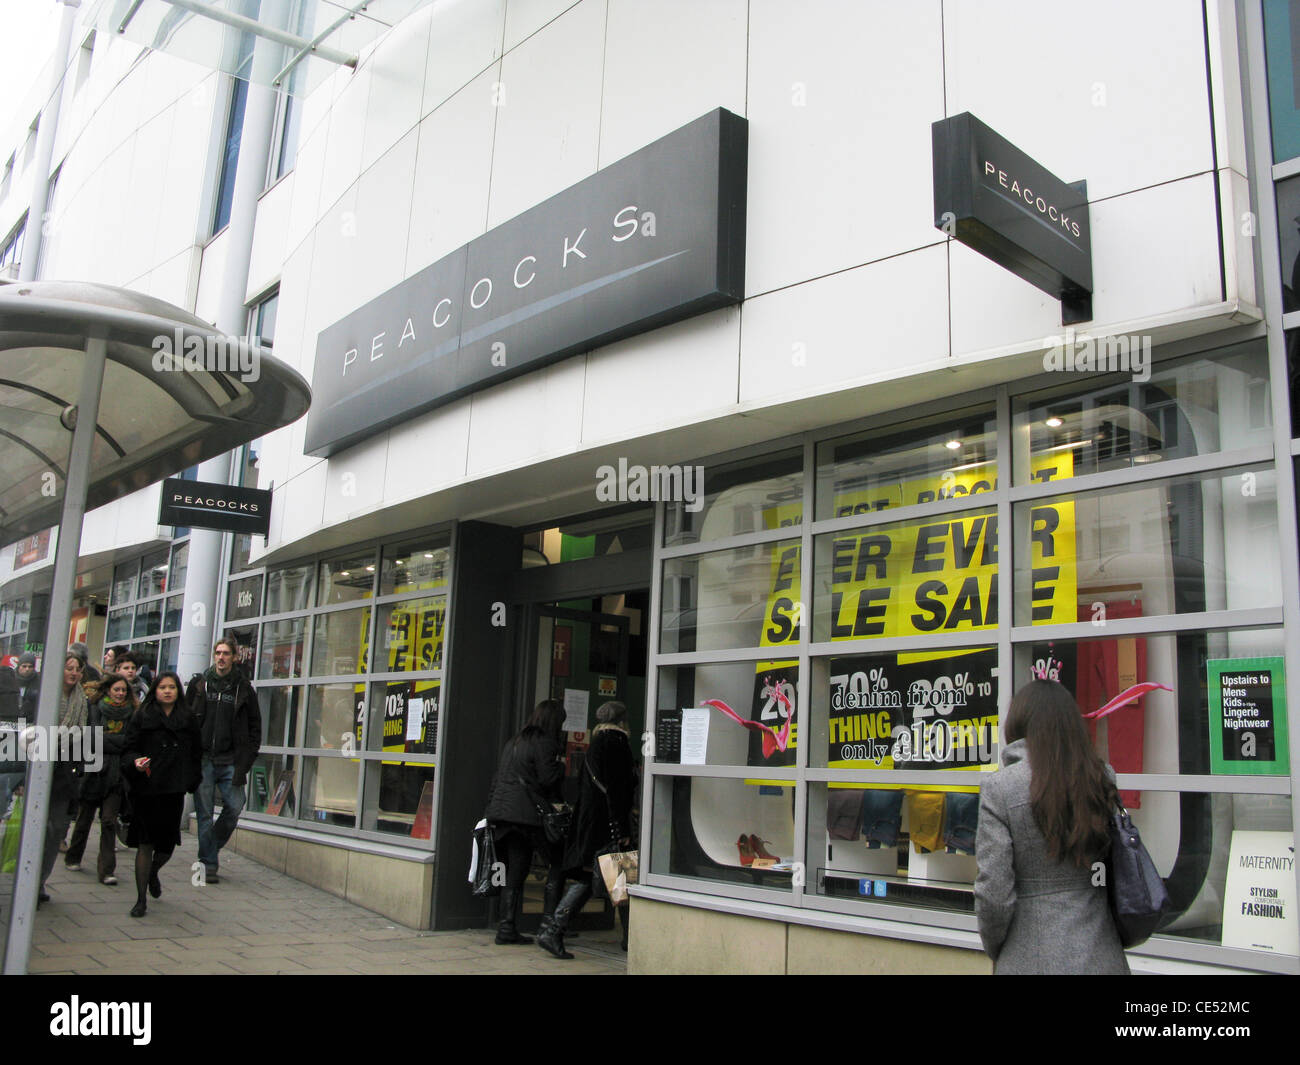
{"points": [[583, 597]]}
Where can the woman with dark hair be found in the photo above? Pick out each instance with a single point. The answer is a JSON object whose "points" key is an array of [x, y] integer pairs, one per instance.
{"points": [[162, 761], [1043, 829], [529, 774], [101, 791], [604, 815], [65, 777]]}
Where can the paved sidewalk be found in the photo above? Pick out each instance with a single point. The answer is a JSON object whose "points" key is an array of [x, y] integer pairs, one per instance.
{"points": [[260, 921]]}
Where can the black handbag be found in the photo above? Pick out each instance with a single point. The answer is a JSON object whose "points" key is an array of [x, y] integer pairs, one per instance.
{"points": [[485, 847], [556, 817], [1137, 895], [557, 821]]}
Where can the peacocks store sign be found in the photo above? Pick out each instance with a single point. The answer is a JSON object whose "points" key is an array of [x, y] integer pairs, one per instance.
{"points": [[995, 199], [651, 239]]}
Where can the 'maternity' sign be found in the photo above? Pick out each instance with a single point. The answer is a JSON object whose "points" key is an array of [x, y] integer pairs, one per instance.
{"points": [[654, 238]]}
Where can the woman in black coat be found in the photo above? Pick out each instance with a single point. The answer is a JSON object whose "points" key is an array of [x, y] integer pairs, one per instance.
{"points": [[530, 772], [162, 761], [101, 791], [604, 815]]}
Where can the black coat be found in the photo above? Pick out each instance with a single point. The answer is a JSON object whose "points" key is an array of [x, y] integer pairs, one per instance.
{"points": [[171, 743], [29, 698], [245, 728], [537, 759], [610, 758], [95, 787], [10, 694]]}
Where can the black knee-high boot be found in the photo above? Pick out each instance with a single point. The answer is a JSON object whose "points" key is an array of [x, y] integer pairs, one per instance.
{"points": [[506, 931], [551, 897], [551, 937]]}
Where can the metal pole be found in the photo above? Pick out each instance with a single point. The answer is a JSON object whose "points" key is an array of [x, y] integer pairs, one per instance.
{"points": [[261, 29], [203, 584], [1279, 372], [27, 883]]}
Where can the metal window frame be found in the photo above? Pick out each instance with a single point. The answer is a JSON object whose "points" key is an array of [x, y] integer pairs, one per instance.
{"points": [[363, 756], [913, 921]]}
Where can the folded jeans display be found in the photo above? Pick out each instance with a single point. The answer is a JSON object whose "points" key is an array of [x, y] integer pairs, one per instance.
{"points": [[925, 820], [961, 811], [882, 817]]}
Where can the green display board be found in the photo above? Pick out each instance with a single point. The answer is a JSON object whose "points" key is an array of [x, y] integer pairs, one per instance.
{"points": [[1248, 734], [259, 787]]}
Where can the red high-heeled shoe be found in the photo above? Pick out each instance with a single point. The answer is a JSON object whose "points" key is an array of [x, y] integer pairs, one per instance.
{"points": [[756, 845], [746, 851]]}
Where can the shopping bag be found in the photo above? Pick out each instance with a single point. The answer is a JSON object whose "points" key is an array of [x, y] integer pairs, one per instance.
{"points": [[483, 863], [13, 833], [618, 870]]}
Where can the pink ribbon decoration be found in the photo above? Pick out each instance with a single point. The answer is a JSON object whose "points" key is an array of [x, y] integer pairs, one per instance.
{"points": [[773, 741], [1128, 695]]}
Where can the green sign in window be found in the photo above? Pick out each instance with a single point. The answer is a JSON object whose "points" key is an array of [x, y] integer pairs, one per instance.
{"points": [[1247, 716]]}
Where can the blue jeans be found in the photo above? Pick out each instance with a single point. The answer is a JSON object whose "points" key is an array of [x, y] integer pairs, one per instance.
{"points": [[213, 837]]}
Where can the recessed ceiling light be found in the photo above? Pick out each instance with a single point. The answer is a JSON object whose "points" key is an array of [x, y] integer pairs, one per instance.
{"points": [[370, 569], [344, 573], [428, 555], [1054, 422], [953, 445]]}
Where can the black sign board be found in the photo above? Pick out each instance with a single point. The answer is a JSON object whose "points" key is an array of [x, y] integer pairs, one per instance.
{"points": [[244, 598], [651, 239], [1248, 732], [994, 198], [227, 507]]}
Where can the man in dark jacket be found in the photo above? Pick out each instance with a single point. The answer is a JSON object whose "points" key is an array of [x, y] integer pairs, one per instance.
{"points": [[29, 684], [230, 721]]}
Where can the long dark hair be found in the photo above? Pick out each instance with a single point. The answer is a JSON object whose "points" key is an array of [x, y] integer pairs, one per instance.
{"points": [[547, 720], [1070, 790], [151, 698]]}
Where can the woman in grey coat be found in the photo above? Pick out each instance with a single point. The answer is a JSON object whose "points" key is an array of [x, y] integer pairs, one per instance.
{"points": [[1040, 895]]}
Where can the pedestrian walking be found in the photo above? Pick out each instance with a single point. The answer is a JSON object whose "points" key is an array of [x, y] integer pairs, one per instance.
{"points": [[603, 816], [128, 665], [1043, 823], [65, 775], [529, 774], [89, 674], [102, 790], [12, 771], [162, 761], [29, 686], [230, 720]]}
